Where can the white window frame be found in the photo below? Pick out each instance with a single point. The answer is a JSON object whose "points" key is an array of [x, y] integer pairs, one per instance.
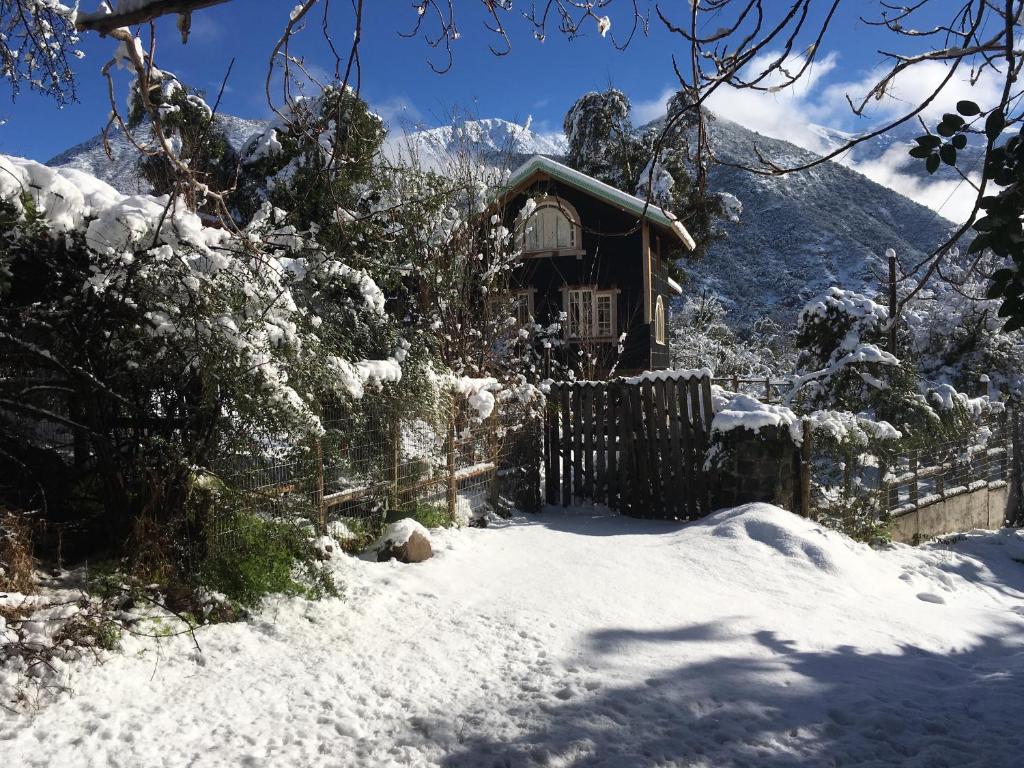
{"points": [[660, 321], [544, 218], [591, 326], [508, 304], [517, 303]]}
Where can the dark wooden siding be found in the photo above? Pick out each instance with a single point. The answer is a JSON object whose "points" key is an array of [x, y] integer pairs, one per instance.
{"points": [[660, 353], [613, 260]]}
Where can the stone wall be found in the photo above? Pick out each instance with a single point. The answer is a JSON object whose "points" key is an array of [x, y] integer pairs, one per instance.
{"points": [[753, 466]]}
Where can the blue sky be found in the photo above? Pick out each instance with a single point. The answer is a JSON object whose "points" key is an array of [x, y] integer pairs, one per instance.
{"points": [[536, 79]]}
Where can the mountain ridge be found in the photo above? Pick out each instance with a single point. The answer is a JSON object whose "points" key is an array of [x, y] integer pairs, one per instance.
{"points": [[798, 234]]}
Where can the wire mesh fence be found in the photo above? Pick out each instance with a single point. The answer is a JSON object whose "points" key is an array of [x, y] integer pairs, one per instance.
{"points": [[892, 485], [766, 389], [380, 460], [982, 459]]}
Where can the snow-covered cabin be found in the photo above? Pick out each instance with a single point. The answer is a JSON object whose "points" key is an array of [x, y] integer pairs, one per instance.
{"points": [[597, 254]]}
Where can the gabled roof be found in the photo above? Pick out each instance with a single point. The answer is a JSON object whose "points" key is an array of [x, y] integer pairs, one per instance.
{"points": [[538, 164]]}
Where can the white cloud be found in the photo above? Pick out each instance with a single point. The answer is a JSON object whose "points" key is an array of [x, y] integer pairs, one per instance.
{"points": [[397, 111], [908, 89], [645, 111], [954, 200], [796, 115], [789, 114]]}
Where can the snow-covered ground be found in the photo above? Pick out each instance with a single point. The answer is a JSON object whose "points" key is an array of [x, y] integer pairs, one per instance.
{"points": [[752, 637]]}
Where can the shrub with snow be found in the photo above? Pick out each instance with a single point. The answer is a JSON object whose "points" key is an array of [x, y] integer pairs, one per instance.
{"points": [[842, 366]]}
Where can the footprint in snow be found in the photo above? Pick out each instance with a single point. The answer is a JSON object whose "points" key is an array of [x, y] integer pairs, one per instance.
{"points": [[930, 597]]}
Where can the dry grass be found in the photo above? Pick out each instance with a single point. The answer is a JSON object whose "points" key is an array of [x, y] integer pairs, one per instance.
{"points": [[16, 559]]}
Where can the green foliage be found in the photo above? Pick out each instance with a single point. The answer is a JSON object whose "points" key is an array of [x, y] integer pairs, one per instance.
{"points": [[314, 161], [843, 368], [999, 229], [858, 516], [602, 143], [429, 515], [188, 123], [266, 557], [90, 629], [108, 636]]}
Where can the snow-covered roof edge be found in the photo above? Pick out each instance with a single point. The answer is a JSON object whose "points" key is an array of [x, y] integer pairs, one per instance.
{"points": [[599, 189]]}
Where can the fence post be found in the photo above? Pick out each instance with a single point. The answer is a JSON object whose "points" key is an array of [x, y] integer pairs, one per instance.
{"points": [[915, 467], [450, 450], [883, 487], [396, 457], [805, 469], [494, 446], [318, 493], [1017, 470]]}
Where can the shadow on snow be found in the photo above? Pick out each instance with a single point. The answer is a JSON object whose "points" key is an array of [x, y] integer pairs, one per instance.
{"points": [[783, 707]]}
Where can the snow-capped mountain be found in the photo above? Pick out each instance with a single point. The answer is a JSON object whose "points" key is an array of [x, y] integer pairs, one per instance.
{"points": [[120, 170], [797, 234], [491, 138], [801, 233]]}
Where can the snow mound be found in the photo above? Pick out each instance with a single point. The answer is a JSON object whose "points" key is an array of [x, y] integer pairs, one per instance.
{"points": [[761, 530]]}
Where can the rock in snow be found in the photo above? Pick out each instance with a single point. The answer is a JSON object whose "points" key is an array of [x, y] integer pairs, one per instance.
{"points": [[405, 541], [750, 638]]}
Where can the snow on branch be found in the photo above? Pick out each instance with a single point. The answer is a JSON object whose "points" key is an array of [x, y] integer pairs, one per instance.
{"points": [[131, 12]]}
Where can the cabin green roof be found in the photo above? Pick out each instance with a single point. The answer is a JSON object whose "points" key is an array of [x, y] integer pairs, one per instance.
{"points": [[609, 194]]}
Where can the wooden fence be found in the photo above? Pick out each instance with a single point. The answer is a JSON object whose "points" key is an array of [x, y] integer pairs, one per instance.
{"points": [[635, 445]]}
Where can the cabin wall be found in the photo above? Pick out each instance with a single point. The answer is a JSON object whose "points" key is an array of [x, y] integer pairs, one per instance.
{"points": [[660, 354], [613, 245]]}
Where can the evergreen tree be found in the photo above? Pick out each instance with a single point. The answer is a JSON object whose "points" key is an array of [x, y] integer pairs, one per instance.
{"points": [[189, 126], [602, 143]]}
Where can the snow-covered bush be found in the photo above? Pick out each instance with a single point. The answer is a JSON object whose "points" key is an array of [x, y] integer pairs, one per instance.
{"points": [[316, 160], [143, 345], [954, 333], [197, 143], [842, 366], [701, 338], [865, 406]]}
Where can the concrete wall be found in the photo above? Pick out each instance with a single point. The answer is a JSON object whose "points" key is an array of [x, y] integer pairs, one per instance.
{"points": [[983, 508]]}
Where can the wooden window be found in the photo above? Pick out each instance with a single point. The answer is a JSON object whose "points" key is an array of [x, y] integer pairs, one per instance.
{"points": [[553, 226], [590, 313], [522, 307], [659, 321], [516, 304], [605, 320]]}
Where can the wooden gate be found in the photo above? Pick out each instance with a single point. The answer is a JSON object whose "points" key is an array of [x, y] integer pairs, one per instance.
{"points": [[635, 445]]}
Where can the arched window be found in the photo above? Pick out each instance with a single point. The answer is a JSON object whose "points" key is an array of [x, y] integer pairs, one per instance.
{"points": [[553, 226], [659, 320]]}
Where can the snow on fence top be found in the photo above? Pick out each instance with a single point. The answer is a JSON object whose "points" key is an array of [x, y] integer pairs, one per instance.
{"points": [[678, 374], [747, 412]]}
